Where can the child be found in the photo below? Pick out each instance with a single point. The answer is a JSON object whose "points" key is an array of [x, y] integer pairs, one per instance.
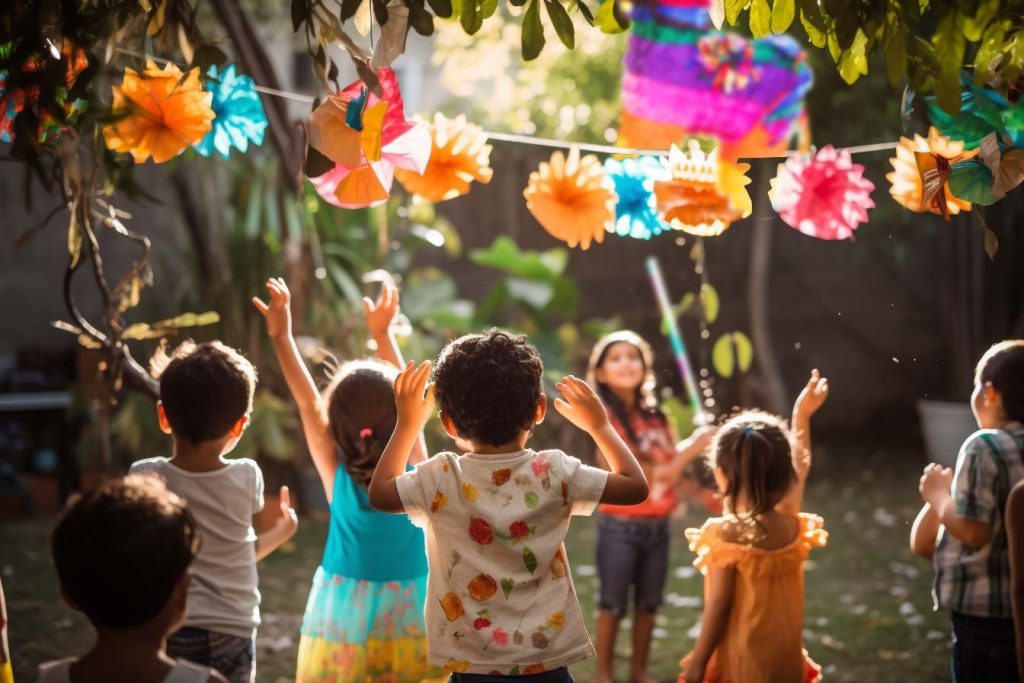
{"points": [[961, 528], [752, 557], [633, 541], [205, 400], [364, 616], [1015, 548], [501, 599], [122, 553]]}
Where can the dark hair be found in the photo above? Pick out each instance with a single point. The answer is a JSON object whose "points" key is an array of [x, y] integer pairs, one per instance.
{"points": [[755, 453], [121, 549], [646, 401], [489, 385], [361, 412], [204, 388], [1003, 366]]}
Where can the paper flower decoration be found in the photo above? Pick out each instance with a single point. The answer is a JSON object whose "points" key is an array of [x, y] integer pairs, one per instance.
{"points": [[921, 169], [823, 195], [459, 155], [636, 213], [703, 194], [367, 137], [15, 99], [161, 114], [572, 198], [240, 118]]}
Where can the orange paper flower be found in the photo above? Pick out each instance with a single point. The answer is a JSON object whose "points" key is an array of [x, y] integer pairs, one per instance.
{"points": [[572, 198], [162, 113], [460, 155], [704, 195], [920, 169]]}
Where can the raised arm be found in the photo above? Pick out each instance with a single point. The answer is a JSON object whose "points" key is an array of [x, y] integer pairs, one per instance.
{"points": [[807, 404], [687, 450], [315, 426], [414, 400], [627, 484], [716, 618]]}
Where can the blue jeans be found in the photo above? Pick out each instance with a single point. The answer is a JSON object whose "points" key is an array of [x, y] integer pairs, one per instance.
{"points": [[234, 657], [559, 675], [984, 650], [632, 552]]}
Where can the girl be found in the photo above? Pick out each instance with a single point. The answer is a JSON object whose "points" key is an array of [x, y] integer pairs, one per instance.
{"points": [[752, 557], [364, 616], [633, 541]]}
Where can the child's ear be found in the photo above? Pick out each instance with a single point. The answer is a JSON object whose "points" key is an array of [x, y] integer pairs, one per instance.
{"points": [[67, 599], [990, 394], [239, 427], [542, 409], [449, 426], [161, 415]]}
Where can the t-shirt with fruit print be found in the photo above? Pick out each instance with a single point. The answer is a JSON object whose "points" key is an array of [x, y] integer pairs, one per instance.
{"points": [[501, 599]]}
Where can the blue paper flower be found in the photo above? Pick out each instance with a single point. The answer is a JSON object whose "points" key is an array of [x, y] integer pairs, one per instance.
{"points": [[239, 114], [636, 214]]}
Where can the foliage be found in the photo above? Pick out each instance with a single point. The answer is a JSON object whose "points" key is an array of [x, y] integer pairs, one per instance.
{"points": [[924, 42]]}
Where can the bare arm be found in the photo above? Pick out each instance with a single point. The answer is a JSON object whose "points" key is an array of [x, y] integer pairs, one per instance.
{"points": [[924, 533], [627, 484], [935, 489], [687, 450], [307, 398], [807, 403], [1015, 537], [284, 528], [717, 607], [414, 400]]}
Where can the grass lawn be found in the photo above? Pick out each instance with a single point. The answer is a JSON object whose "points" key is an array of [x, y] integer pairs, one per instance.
{"points": [[868, 606]]}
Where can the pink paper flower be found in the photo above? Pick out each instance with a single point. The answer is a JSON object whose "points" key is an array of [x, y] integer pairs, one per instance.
{"points": [[823, 195]]}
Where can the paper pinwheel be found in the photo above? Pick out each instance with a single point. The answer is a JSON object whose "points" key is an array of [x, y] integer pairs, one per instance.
{"points": [[921, 170]]}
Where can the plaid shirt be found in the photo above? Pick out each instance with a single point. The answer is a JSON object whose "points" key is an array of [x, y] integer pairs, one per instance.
{"points": [[977, 582]]}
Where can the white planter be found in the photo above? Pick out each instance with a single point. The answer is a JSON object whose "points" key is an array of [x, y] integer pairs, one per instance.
{"points": [[945, 426]]}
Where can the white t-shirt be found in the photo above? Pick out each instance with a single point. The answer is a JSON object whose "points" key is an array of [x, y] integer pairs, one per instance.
{"points": [[501, 597], [223, 594], [59, 671]]}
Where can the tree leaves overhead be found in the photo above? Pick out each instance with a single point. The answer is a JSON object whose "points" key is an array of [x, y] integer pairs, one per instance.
{"points": [[533, 31]]}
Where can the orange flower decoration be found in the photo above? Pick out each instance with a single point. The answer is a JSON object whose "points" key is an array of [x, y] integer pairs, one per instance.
{"points": [[920, 170], [703, 195], [163, 112], [460, 155], [572, 198]]}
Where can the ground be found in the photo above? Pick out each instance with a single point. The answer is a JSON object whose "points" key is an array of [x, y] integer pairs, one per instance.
{"points": [[868, 607]]}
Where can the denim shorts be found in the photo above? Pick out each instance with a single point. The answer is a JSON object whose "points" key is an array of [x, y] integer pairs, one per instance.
{"points": [[631, 552], [983, 649], [234, 657], [559, 675]]}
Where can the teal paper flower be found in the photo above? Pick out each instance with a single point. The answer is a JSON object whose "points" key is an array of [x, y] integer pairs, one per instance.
{"points": [[636, 214], [240, 118]]}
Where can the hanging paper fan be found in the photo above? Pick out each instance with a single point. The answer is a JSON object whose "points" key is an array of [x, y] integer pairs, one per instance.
{"points": [[572, 198], [823, 195], [459, 155], [240, 118], [636, 212], [162, 113], [367, 137], [921, 170], [703, 195]]}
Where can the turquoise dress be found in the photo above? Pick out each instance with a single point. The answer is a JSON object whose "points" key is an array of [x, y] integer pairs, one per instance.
{"points": [[364, 617]]}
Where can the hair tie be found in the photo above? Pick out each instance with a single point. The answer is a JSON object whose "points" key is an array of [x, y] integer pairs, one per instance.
{"points": [[747, 429], [365, 433]]}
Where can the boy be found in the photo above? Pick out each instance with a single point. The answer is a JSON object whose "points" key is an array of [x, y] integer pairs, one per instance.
{"points": [[961, 525], [122, 554], [205, 400], [502, 603]]}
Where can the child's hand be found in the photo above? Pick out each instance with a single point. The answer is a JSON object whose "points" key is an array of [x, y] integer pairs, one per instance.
{"points": [[812, 397], [935, 484], [379, 316], [580, 405], [414, 398], [278, 313], [289, 520], [693, 673], [699, 439]]}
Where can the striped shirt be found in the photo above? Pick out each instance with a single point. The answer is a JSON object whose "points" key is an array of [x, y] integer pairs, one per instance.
{"points": [[977, 582]]}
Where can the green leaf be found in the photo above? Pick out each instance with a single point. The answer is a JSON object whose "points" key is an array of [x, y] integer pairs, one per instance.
{"points": [[488, 8], [533, 32], [531, 292], [686, 303], [562, 23], [505, 255], [506, 586], [949, 50], [985, 11], [514, 671], [990, 52], [733, 9], [441, 8], [531, 499], [605, 18], [744, 351], [722, 356], [709, 302], [585, 11], [760, 18], [854, 62], [896, 56], [529, 559], [471, 17], [421, 20], [783, 12]]}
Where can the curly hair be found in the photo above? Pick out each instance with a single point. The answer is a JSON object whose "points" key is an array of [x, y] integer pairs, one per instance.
{"points": [[361, 411], [489, 385], [204, 388], [121, 549], [1003, 366]]}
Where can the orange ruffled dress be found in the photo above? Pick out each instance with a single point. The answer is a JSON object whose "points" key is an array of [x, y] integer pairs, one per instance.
{"points": [[763, 642]]}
